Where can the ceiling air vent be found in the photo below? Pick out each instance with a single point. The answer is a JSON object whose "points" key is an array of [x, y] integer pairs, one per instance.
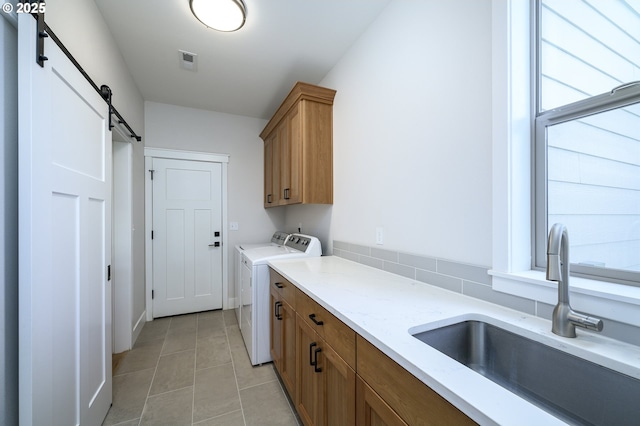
{"points": [[188, 60]]}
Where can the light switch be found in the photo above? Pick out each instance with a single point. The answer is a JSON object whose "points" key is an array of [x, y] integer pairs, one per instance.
{"points": [[233, 226], [380, 235]]}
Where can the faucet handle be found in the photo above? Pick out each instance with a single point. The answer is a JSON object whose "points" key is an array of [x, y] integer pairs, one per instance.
{"points": [[586, 321]]}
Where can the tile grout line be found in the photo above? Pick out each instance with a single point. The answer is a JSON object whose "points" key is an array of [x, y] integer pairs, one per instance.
{"points": [[171, 390], [233, 364], [261, 383], [155, 371]]}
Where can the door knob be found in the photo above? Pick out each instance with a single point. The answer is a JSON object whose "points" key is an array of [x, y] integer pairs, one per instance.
{"points": [[216, 244]]}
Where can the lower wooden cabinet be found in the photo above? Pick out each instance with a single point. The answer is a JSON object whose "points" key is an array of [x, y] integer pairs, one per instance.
{"points": [[371, 410], [325, 386], [283, 336], [308, 383], [412, 400], [318, 356], [275, 337], [288, 358]]}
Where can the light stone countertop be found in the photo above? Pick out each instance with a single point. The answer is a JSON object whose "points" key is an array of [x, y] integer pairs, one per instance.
{"points": [[382, 307]]}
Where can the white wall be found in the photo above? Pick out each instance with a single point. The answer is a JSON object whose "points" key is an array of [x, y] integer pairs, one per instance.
{"points": [[8, 224], [189, 129], [412, 132], [311, 219], [80, 26], [412, 139]]}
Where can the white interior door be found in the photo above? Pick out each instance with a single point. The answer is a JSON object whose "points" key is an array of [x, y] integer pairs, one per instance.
{"points": [[65, 241], [187, 239]]}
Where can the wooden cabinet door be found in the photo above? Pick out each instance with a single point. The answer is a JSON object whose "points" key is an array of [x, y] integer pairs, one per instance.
{"points": [[307, 379], [291, 167], [371, 410], [268, 172], [414, 401], [325, 384], [338, 391], [275, 337], [272, 160], [288, 353], [279, 162]]}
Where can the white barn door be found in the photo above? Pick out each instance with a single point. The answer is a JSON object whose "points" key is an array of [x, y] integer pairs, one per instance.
{"points": [[187, 239], [65, 240]]}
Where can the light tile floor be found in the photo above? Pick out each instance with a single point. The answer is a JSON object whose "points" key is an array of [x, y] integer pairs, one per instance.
{"points": [[194, 370]]}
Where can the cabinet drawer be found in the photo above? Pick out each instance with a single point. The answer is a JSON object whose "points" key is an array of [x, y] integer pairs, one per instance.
{"points": [[415, 402], [283, 287], [335, 332]]}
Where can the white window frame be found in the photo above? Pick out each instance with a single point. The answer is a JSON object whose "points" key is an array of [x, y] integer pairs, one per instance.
{"points": [[574, 111], [619, 97], [512, 201]]}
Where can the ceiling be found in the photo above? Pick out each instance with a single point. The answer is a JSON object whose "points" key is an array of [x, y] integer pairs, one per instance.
{"points": [[248, 72]]}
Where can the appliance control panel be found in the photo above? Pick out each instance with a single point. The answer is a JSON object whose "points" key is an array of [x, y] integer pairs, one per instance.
{"points": [[305, 243], [279, 237]]}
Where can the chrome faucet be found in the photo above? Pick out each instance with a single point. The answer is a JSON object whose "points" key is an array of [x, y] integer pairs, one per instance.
{"points": [[564, 318]]}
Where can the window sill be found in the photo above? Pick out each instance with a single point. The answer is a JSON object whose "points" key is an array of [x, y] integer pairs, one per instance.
{"points": [[614, 301]]}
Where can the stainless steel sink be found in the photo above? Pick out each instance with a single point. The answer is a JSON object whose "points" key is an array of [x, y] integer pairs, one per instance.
{"points": [[571, 388]]}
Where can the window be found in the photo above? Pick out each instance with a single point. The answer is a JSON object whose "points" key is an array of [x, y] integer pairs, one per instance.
{"points": [[587, 134]]}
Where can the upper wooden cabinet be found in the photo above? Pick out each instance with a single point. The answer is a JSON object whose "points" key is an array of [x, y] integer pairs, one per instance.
{"points": [[298, 148]]}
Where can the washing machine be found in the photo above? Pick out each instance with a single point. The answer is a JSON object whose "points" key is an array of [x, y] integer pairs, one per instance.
{"points": [[254, 306], [277, 240]]}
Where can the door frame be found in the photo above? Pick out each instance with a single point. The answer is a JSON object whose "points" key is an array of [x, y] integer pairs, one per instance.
{"points": [[123, 330], [173, 154]]}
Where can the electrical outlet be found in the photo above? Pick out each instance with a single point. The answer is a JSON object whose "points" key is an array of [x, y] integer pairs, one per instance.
{"points": [[233, 226], [380, 235]]}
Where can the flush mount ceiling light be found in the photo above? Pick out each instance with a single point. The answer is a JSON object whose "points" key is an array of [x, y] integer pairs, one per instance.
{"points": [[221, 15]]}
